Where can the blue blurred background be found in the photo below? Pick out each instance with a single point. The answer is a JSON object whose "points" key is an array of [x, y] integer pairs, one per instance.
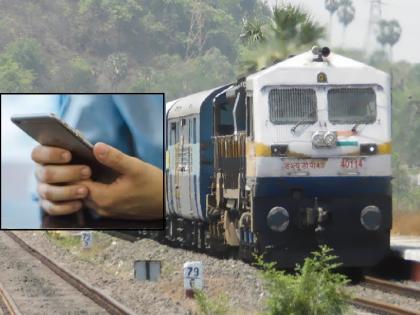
{"points": [[18, 210]]}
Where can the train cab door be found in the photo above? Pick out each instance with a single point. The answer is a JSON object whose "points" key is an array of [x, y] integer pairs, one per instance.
{"points": [[184, 169], [172, 178]]}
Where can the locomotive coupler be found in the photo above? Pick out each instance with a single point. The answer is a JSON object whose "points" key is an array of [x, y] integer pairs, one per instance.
{"points": [[315, 216], [322, 216]]}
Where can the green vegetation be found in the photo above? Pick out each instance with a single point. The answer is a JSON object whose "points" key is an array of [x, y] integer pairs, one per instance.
{"points": [[208, 306], [73, 244], [14, 78], [76, 75], [314, 289], [174, 46], [21, 65], [288, 31]]}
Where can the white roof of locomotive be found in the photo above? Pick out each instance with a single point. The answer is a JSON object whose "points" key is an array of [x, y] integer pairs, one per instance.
{"points": [[301, 69], [188, 105]]}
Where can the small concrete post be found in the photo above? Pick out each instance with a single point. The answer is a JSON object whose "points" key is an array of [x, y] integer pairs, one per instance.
{"points": [[193, 277], [87, 239]]}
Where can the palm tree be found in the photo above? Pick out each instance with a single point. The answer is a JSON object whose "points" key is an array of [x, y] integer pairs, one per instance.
{"points": [[345, 14], [389, 32], [252, 31], [289, 30], [331, 6]]}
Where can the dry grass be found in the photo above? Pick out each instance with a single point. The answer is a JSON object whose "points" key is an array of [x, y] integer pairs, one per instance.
{"points": [[406, 223]]}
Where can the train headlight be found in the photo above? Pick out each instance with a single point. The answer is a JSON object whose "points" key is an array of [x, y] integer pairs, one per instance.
{"points": [[371, 218], [318, 139], [278, 219], [330, 138], [368, 148], [279, 150]]}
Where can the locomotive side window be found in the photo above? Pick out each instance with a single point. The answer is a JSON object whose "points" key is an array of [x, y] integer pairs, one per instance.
{"points": [[177, 132], [352, 105], [172, 136], [288, 106], [249, 119], [195, 130], [189, 131]]}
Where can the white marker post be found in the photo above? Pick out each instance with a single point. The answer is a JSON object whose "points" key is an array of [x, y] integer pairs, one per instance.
{"points": [[193, 277], [87, 238]]}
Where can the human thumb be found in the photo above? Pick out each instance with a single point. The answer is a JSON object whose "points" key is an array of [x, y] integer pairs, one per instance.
{"points": [[115, 159]]}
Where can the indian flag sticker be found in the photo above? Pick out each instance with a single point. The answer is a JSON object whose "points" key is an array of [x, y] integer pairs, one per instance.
{"points": [[347, 139], [347, 143]]}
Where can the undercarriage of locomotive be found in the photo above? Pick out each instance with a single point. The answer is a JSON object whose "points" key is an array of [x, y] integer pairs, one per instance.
{"points": [[287, 228]]}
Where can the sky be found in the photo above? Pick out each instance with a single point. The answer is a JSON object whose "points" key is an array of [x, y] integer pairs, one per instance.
{"points": [[405, 11]]}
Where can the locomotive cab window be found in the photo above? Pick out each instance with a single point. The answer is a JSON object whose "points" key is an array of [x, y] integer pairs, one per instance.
{"points": [[352, 105], [224, 119], [290, 106]]}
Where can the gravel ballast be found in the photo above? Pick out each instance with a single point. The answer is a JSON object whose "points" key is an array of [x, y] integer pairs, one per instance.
{"points": [[35, 289], [111, 270], [108, 265]]}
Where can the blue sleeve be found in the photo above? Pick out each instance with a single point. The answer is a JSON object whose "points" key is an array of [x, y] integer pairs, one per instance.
{"points": [[99, 119], [144, 115]]}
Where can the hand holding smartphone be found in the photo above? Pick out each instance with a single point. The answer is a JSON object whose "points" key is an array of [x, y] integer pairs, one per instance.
{"points": [[49, 130]]}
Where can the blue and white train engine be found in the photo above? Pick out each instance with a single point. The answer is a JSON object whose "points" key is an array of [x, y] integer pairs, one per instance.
{"points": [[290, 157]]}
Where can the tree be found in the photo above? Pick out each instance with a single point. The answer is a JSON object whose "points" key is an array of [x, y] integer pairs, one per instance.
{"points": [[389, 32], [289, 30], [26, 52], [331, 6], [252, 31], [345, 14], [177, 77], [76, 76], [25, 56], [14, 78], [117, 68]]}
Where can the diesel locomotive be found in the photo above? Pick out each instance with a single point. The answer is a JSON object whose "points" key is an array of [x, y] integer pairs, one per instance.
{"points": [[287, 158]]}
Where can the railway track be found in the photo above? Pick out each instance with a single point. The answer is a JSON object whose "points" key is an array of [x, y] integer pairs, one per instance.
{"points": [[7, 305], [107, 303], [390, 286], [384, 307]]}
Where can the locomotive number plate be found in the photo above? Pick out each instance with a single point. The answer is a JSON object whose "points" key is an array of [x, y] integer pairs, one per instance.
{"points": [[352, 163]]}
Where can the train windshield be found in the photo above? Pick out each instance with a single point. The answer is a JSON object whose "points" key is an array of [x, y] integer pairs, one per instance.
{"points": [[292, 105], [351, 105]]}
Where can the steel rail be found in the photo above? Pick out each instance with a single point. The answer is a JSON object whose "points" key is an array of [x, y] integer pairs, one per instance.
{"points": [[7, 305], [381, 307], [106, 302], [392, 287]]}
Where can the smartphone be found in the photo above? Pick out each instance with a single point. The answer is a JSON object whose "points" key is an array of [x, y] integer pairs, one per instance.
{"points": [[49, 130]]}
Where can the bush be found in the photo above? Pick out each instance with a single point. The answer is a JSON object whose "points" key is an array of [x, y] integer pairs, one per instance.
{"points": [[314, 289], [217, 306]]}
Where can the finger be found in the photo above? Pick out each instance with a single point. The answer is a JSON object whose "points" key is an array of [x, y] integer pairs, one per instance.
{"points": [[50, 155], [99, 193], [62, 193], [115, 159], [64, 208], [51, 174]]}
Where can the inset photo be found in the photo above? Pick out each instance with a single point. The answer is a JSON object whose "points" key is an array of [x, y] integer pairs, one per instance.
{"points": [[82, 161]]}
